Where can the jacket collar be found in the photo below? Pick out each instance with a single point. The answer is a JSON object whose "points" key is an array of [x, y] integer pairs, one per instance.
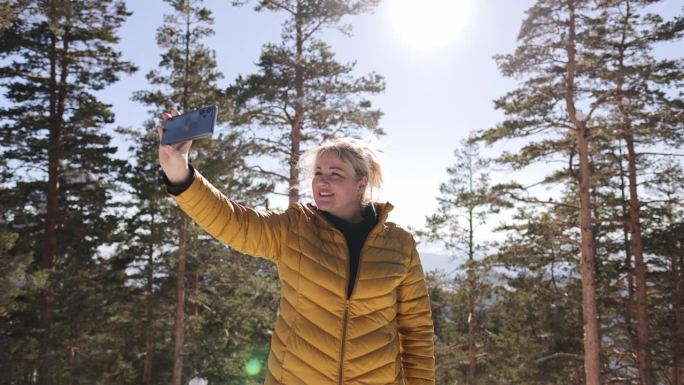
{"points": [[382, 210]]}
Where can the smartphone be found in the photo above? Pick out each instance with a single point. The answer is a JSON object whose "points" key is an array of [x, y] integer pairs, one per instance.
{"points": [[190, 125]]}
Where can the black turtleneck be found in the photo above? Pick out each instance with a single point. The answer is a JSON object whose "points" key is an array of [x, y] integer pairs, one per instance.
{"points": [[355, 234]]}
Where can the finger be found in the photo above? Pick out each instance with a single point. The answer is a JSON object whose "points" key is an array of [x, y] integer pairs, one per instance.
{"points": [[174, 112], [166, 116]]}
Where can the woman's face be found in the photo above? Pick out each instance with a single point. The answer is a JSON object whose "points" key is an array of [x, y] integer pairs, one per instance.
{"points": [[336, 188]]}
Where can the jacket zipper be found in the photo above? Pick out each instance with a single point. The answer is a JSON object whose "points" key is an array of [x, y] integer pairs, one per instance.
{"points": [[344, 338], [346, 302]]}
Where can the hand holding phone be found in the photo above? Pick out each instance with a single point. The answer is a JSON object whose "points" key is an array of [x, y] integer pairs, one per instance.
{"points": [[190, 125], [176, 137]]}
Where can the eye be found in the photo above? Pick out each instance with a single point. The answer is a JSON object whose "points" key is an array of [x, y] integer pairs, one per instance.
{"points": [[318, 173]]}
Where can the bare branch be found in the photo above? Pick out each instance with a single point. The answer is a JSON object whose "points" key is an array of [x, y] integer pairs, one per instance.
{"points": [[598, 103], [266, 172], [315, 28]]}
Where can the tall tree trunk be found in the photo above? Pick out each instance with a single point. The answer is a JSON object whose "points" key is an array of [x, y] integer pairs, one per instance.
{"points": [[180, 305], [592, 342], [637, 246], [643, 332], [179, 331], [51, 213], [472, 319], [590, 318], [58, 62], [297, 122], [678, 309], [472, 332], [629, 303], [147, 370]]}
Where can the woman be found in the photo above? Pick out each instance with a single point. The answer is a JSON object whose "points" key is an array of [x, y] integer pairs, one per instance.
{"points": [[354, 306]]}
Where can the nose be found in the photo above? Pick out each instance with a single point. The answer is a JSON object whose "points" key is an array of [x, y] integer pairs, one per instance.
{"points": [[322, 178]]}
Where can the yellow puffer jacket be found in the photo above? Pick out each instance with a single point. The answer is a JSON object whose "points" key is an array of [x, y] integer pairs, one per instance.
{"points": [[321, 337]]}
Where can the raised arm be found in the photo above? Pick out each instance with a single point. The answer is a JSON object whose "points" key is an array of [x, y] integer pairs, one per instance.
{"points": [[246, 230], [415, 326]]}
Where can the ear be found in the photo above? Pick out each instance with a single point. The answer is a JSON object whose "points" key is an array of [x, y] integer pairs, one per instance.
{"points": [[362, 183]]}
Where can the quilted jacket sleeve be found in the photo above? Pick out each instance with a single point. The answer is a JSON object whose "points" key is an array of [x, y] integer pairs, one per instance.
{"points": [[249, 231], [415, 326]]}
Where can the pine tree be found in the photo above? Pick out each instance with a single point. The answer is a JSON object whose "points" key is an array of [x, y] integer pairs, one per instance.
{"points": [[450, 324], [550, 56], [192, 79], [301, 94], [146, 250], [640, 102], [664, 241], [56, 56], [464, 203], [188, 79], [534, 320]]}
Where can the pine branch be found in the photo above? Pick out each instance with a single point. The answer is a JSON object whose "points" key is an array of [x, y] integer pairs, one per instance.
{"points": [[278, 4], [559, 355], [537, 201], [659, 153]]}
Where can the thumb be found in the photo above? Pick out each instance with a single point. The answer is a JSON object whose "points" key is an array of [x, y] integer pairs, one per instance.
{"points": [[184, 147]]}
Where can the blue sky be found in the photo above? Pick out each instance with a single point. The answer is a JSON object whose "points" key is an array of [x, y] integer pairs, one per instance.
{"points": [[434, 97]]}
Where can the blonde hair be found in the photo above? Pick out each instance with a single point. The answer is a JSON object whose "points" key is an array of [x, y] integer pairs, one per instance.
{"points": [[354, 152]]}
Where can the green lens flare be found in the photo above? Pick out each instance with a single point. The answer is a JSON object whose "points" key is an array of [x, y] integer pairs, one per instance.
{"points": [[253, 367]]}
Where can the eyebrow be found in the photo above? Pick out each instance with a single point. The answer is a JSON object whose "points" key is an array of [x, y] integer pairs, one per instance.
{"points": [[332, 168]]}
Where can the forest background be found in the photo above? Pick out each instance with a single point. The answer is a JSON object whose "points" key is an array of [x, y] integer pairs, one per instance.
{"points": [[534, 147]]}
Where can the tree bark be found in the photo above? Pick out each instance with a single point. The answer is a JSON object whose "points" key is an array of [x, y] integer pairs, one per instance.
{"points": [[296, 133], [590, 318], [180, 305], [643, 332], [592, 342]]}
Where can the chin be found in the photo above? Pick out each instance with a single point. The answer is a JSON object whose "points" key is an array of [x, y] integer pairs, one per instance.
{"points": [[325, 206]]}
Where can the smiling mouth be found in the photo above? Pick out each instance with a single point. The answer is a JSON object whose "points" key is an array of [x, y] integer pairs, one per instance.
{"points": [[325, 194]]}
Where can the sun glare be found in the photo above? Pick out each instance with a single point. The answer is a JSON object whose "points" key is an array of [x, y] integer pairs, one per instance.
{"points": [[428, 24]]}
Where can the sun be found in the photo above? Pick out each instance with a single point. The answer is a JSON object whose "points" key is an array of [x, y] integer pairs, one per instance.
{"points": [[428, 24]]}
